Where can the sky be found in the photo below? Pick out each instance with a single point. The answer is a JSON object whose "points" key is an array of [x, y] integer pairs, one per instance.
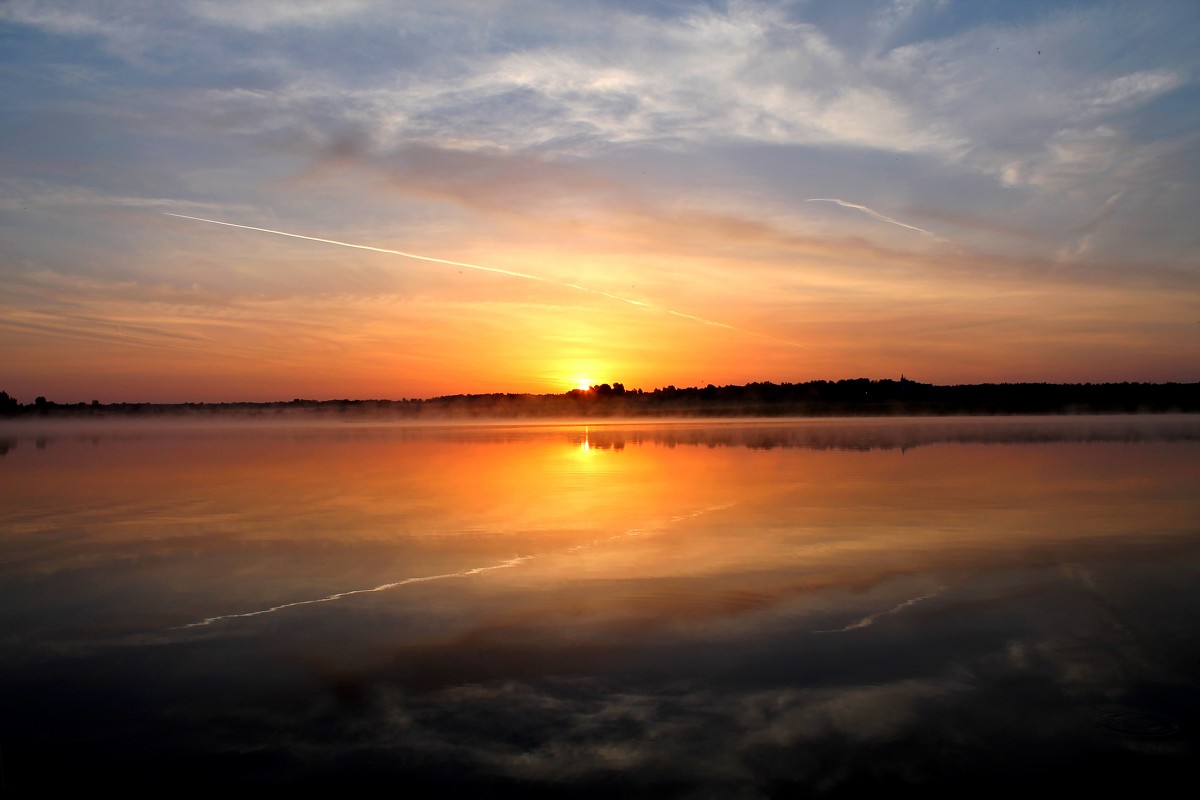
{"points": [[650, 193]]}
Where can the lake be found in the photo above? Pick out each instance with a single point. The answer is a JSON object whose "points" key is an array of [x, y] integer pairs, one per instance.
{"points": [[680, 609]]}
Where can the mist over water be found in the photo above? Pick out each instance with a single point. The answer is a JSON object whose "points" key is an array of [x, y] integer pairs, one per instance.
{"points": [[702, 608]]}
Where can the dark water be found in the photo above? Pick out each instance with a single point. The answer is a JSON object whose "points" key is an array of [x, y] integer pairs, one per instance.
{"points": [[696, 610]]}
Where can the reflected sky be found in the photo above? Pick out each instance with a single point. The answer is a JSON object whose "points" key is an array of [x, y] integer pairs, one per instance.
{"points": [[687, 609]]}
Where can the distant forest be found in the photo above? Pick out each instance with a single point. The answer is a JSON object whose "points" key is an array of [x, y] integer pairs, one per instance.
{"points": [[857, 397]]}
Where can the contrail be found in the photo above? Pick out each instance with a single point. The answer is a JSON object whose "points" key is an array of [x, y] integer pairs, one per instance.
{"points": [[512, 562], [392, 252], [869, 620], [497, 270], [873, 213]]}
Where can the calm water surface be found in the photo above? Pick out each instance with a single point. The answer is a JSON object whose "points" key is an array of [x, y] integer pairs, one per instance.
{"points": [[686, 609]]}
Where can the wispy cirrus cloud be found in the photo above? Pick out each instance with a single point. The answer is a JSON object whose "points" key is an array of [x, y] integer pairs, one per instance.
{"points": [[269, 14], [19, 194]]}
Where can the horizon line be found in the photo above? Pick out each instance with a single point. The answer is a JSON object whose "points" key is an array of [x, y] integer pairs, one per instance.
{"points": [[12, 401]]}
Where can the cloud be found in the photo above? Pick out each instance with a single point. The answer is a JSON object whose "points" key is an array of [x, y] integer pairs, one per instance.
{"points": [[977, 99], [1015, 88], [751, 72], [1137, 87], [268, 14], [1088, 231], [614, 78]]}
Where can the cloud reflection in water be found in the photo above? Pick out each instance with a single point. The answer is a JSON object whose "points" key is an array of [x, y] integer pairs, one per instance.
{"points": [[643, 617]]}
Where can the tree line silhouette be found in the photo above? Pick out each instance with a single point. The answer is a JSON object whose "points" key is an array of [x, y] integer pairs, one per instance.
{"points": [[853, 397]]}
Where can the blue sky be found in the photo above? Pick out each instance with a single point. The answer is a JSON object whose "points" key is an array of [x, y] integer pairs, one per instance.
{"points": [[956, 191]]}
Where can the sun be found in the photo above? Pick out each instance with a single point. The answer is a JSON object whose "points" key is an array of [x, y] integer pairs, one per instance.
{"points": [[579, 375]]}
